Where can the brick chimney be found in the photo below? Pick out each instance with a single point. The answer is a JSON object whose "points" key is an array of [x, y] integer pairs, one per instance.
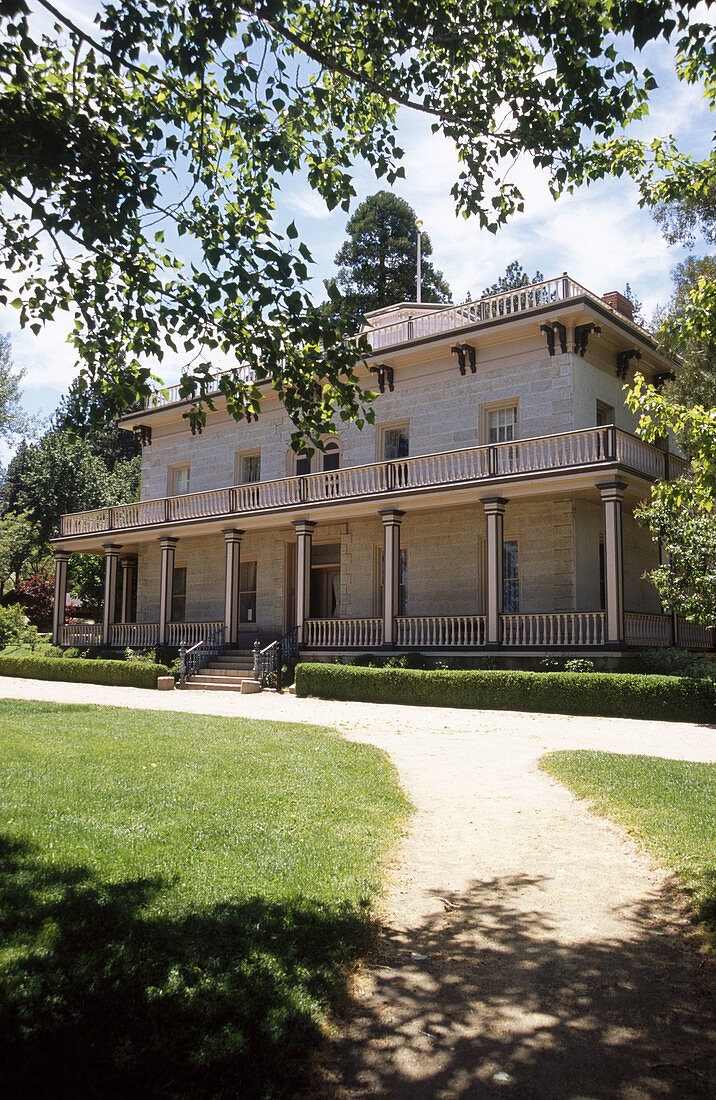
{"points": [[619, 303]]}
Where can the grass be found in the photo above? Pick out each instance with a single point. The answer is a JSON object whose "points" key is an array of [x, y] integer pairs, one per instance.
{"points": [[669, 804], [179, 897]]}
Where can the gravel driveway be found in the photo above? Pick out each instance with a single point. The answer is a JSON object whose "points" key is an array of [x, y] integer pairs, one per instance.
{"points": [[528, 948]]}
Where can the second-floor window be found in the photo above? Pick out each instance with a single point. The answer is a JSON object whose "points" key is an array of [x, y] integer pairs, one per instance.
{"points": [[248, 468], [605, 414], [178, 480], [502, 424], [396, 442]]}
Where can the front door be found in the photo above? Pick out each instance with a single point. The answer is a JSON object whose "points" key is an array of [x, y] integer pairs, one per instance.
{"points": [[325, 591]]}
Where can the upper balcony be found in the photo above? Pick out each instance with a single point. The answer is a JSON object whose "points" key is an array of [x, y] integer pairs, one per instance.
{"points": [[589, 449], [448, 320]]}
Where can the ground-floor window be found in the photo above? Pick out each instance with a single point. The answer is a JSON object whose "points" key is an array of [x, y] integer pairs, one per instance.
{"points": [[179, 594], [510, 577], [247, 592], [602, 577]]}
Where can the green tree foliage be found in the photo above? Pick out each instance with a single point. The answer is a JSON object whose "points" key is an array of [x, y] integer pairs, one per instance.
{"points": [[378, 262], [681, 513], [21, 551], [695, 214], [101, 129], [13, 421], [92, 415], [62, 474], [694, 343], [515, 276]]}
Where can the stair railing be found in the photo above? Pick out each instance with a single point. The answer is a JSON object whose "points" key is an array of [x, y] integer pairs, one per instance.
{"points": [[271, 659], [195, 658]]}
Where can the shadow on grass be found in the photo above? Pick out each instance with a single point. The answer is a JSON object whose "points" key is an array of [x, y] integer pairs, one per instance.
{"points": [[99, 999], [488, 998]]}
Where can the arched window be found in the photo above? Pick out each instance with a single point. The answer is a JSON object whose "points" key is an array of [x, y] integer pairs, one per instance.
{"points": [[303, 463], [331, 455]]}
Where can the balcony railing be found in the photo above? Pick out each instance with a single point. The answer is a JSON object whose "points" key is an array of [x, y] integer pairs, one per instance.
{"points": [[544, 454]]}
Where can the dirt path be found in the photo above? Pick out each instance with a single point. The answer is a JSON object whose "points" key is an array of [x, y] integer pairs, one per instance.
{"points": [[528, 948]]}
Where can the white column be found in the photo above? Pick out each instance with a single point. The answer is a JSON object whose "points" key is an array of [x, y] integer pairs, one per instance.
{"points": [[62, 557], [231, 589], [166, 584], [494, 519], [129, 567], [612, 493], [111, 561], [304, 538], [391, 572]]}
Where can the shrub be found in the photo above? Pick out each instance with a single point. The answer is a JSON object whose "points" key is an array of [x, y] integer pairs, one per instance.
{"points": [[121, 673], [618, 695], [14, 627], [579, 664], [671, 661]]}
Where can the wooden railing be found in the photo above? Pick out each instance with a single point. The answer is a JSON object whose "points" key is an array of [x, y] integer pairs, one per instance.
{"points": [[472, 313], [81, 634], [336, 633], [190, 633], [170, 394], [693, 636], [568, 450], [134, 635], [643, 629], [557, 628], [440, 630]]}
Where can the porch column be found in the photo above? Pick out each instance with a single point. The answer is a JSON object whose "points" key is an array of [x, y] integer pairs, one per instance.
{"points": [[111, 561], [62, 557], [495, 519], [231, 596], [166, 584], [612, 493], [391, 572], [304, 539], [129, 569]]}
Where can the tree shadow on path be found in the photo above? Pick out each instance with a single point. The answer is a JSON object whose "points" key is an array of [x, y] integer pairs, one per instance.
{"points": [[485, 999]]}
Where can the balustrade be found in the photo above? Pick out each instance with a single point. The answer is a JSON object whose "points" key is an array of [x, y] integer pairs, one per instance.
{"points": [[553, 628], [81, 634], [190, 633], [694, 636], [440, 630], [339, 633], [643, 629], [568, 450], [135, 635]]}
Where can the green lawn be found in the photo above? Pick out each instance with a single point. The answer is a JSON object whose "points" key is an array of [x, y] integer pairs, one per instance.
{"points": [[669, 804], [179, 897]]}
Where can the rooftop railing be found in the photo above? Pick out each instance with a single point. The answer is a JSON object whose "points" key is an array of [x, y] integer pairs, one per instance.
{"points": [[439, 321], [567, 451]]}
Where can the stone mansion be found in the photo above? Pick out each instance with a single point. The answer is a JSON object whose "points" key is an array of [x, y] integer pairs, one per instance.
{"points": [[489, 507]]}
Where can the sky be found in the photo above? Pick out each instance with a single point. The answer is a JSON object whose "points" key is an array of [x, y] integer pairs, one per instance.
{"points": [[598, 235]]}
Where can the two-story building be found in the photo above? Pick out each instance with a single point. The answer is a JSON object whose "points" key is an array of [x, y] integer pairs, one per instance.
{"points": [[491, 505]]}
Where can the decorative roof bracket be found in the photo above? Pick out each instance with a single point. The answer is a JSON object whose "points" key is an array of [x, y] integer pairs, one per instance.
{"points": [[465, 352], [581, 336], [552, 329], [143, 433], [623, 358], [385, 376]]}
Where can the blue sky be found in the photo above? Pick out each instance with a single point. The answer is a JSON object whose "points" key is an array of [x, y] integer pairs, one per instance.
{"points": [[599, 235]]}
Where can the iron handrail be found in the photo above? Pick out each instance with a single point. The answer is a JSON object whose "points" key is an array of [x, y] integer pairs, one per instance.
{"points": [[271, 658], [196, 657]]}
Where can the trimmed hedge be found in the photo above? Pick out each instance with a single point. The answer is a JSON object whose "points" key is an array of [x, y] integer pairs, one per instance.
{"points": [[615, 695], [79, 670]]}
